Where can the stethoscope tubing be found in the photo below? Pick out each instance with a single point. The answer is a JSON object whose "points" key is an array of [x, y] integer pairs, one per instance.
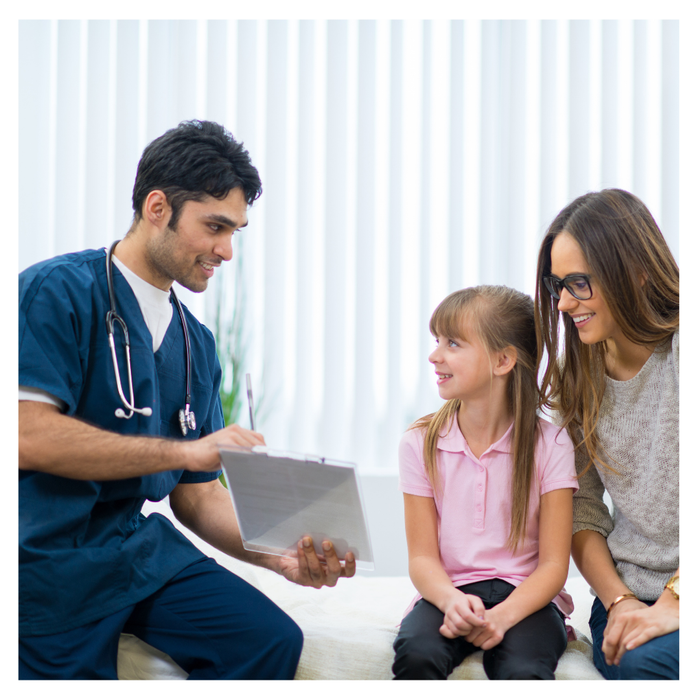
{"points": [[186, 416]]}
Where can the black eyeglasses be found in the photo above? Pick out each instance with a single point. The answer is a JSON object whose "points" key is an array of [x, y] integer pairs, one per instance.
{"points": [[579, 286]]}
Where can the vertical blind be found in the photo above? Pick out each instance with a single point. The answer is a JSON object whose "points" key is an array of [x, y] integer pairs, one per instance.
{"points": [[400, 160]]}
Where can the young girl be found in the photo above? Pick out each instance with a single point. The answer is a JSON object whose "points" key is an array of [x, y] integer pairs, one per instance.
{"points": [[488, 501], [607, 276]]}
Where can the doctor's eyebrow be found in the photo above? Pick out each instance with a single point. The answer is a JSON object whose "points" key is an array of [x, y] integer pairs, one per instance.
{"points": [[221, 219]]}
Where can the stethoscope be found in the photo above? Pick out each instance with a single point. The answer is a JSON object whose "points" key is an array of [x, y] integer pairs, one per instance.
{"points": [[185, 415]]}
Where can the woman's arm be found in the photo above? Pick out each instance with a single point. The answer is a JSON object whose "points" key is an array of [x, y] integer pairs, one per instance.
{"points": [[592, 557], [462, 612], [546, 581], [631, 623]]}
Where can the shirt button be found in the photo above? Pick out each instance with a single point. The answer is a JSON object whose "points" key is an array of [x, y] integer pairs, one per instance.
{"points": [[480, 487], [479, 507]]}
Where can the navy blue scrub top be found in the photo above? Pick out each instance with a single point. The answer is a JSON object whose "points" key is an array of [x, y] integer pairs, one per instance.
{"points": [[86, 550]]}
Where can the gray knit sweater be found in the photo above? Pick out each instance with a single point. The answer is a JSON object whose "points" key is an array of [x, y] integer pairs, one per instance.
{"points": [[638, 427]]}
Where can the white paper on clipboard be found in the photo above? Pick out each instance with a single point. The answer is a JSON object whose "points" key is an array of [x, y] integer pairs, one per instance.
{"points": [[279, 497]]}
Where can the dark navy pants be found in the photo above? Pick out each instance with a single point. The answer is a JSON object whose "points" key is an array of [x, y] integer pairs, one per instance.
{"points": [[211, 622], [529, 650], [657, 660]]}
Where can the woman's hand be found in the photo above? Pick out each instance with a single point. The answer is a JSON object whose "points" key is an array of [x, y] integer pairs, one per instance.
{"points": [[464, 614], [633, 623]]}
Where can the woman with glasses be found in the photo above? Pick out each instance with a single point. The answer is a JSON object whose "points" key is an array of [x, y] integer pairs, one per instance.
{"points": [[607, 325]]}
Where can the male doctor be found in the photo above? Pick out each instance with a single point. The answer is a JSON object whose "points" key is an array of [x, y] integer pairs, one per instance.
{"points": [[91, 565]]}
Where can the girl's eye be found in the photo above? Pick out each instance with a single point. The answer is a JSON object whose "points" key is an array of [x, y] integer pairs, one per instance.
{"points": [[452, 343]]}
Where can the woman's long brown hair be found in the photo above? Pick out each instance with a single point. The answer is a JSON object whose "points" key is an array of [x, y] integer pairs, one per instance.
{"points": [[500, 317], [634, 271]]}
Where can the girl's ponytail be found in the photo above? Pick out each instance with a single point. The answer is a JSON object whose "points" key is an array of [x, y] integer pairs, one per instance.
{"points": [[433, 425]]}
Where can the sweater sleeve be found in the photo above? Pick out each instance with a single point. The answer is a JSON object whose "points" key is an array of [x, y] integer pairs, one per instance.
{"points": [[590, 511]]}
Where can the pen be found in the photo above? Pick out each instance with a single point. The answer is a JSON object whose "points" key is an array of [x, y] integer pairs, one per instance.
{"points": [[250, 401]]}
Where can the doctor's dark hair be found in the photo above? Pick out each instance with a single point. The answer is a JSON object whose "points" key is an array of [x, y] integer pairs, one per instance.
{"points": [[191, 161], [634, 272], [497, 317]]}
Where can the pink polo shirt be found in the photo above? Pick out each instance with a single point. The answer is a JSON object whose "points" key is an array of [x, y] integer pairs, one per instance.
{"points": [[475, 509]]}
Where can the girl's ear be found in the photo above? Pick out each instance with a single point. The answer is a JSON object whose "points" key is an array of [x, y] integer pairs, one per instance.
{"points": [[505, 361]]}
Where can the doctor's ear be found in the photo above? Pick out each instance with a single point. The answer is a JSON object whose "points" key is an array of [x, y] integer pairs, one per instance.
{"points": [[156, 209], [505, 360]]}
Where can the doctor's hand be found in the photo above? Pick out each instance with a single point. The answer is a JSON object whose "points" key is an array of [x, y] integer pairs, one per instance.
{"points": [[203, 454], [308, 569]]}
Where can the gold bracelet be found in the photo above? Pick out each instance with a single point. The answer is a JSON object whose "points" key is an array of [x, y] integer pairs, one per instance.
{"points": [[618, 599]]}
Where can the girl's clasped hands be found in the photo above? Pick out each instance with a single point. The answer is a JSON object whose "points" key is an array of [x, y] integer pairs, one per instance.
{"points": [[466, 616]]}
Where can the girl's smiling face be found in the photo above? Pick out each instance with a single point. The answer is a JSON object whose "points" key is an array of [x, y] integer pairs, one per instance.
{"points": [[591, 317], [463, 367]]}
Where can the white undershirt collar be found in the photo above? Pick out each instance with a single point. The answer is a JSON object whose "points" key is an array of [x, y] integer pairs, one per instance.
{"points": [[154, 303]]}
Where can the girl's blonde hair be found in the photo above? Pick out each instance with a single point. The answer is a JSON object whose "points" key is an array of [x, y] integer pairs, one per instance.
{"points": [[500, 317], [634, 271]]}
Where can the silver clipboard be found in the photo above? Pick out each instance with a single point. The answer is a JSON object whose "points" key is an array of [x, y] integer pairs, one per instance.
{"points": [[279, 497]]}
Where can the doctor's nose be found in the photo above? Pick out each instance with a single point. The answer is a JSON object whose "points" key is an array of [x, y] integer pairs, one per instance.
{"points": [[224, 248]]}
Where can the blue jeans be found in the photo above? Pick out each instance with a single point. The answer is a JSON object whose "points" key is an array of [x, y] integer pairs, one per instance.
{"points": [[657, 660]]}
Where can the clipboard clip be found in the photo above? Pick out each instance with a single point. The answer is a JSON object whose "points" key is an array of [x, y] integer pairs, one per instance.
{"points": [[263, 449]]}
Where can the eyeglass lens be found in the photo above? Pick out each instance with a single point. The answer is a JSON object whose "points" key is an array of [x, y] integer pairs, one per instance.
{"points": [[577, 285]]}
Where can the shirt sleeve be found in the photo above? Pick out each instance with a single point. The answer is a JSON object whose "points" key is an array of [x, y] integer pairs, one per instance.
{"points": [[556, 460], [412, 477], [28, 393]]}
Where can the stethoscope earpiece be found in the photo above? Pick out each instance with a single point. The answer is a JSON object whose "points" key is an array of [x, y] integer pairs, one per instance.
{"points": [[186, 416]]}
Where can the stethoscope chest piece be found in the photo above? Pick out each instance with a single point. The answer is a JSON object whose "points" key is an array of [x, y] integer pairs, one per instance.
{"points": [[187, 420]]}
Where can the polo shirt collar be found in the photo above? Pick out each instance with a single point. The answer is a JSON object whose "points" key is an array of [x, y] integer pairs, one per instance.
{"points": [[453, 440]]}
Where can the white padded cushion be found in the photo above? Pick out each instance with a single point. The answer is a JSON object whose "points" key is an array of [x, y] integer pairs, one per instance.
{"points": [[349, 630]]}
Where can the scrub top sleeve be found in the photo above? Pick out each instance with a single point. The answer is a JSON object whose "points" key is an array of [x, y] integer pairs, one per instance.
{"points": [[53, 349]]}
